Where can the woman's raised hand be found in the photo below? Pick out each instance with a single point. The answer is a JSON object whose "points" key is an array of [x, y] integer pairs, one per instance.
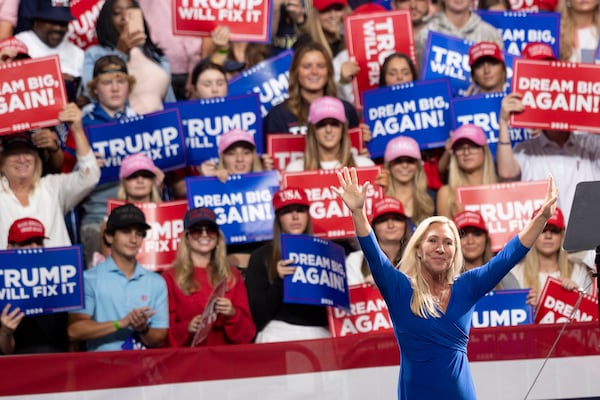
{"points": [[350, 191]]}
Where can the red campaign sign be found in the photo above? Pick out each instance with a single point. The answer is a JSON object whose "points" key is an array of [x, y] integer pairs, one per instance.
{"points": [[331, 219], [82, 30], [505, 207], [557, 95], [32, 93], [370, 38], [369, 313], [160, 246], [248, 20], [285, 148], [556, 305]]}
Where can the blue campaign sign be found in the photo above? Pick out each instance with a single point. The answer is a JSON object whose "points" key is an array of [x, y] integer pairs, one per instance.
{"points": [[320, 275], [420, 109], [268, 78], [484, 111], [204, 120], [243, 203], [519, 28], [447, 57], [42, 281], [157, 134], [503, 308]]}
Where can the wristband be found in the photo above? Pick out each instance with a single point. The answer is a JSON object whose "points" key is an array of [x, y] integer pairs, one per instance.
{"points": [[504, 143], [223, 51], [117, 325]]}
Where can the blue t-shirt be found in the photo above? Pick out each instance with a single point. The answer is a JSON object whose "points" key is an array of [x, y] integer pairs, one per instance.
{"points": [[110, 295], [433, 351]]}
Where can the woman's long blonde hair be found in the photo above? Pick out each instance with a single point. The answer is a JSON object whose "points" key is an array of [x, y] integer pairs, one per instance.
{"points": [[423, 206], [568, 30], [312, 152], [531, 266], [297, 104], [422, 303], [218, 269], [458, 178]]}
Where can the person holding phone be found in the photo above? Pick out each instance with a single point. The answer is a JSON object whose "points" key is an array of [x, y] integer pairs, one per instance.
{"points": [[122, 31]]}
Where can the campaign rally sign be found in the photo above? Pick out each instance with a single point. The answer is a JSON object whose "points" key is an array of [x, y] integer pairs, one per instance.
{"points": [[447, 57], [285, 148], [557, 305], [503, 308], [32, 94], [420, 109], [525, 5], [269, 78], [330, 217], [157, 134], [505, 207], [483, 110], [159, 248], [82, 30], [42, 281], [370, 38], [558, 95], [243, 204], [320, 274], [368, 313], [519, 28], [248, 20], [203, 121]]}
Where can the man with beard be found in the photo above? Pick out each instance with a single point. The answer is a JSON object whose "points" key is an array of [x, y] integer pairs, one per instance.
{"points": [[48, 37]]}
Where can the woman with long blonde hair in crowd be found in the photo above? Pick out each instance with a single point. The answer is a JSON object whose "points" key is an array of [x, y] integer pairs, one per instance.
{"points": [[198, 272], [471, 164], [579, 29]]}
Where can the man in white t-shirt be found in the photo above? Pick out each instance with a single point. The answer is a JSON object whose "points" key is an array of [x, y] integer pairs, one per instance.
{"points": [[48, 37]]}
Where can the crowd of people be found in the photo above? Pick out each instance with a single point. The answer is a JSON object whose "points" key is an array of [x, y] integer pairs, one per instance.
{"points": [[50, 194]]}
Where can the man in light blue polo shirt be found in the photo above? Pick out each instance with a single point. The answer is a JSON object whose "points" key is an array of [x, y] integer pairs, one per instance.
{"points": [[126, 306]]}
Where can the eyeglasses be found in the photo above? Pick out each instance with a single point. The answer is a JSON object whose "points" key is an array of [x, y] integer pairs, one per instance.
{"points": [[141, 233], [142, 173], [198, 231], [466, 147], [328, 121]]}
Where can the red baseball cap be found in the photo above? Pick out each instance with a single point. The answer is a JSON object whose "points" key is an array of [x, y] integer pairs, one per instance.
{"points": [[485, 49], [470, 219], [322, 5], [538, 51], [290, 196], [25, 229], [557, 219], [387, 205]]}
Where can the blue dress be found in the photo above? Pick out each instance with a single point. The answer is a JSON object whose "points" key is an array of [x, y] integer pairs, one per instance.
{"points": [[433, 351]]}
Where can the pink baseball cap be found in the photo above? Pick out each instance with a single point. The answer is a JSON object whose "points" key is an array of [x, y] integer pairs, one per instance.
{"points": [[326, 107], [233, 136], [387, 205], [538, 51], [139, 162], [485, 49], [16, 45], [557, 219], [25, 229], [470, 219], [471, 133], [402, 146]]}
